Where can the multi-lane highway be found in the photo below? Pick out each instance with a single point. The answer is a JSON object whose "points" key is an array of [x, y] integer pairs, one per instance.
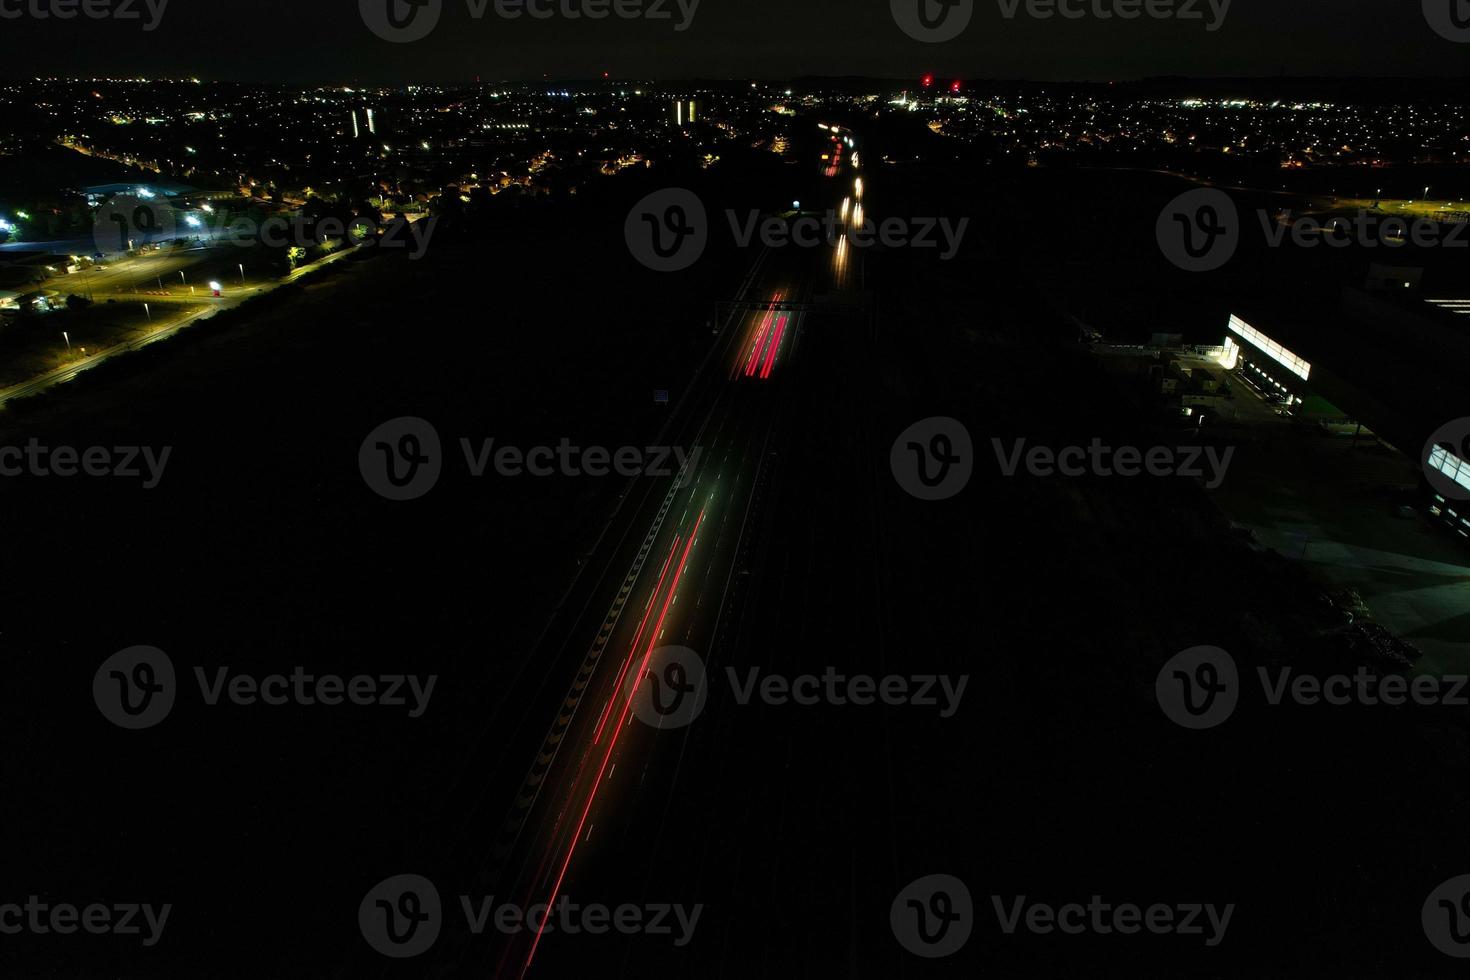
{"points": [[669, 573]]}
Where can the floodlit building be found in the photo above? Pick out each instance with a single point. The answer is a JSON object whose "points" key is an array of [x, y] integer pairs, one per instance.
{"points": [[1455, 513], [1265, 363]]}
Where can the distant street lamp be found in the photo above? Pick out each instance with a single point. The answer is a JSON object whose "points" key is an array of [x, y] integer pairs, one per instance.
{"points": [[67, 337], [242, 273]]}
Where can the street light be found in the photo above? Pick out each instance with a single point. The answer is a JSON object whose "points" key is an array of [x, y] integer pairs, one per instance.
{"points": [[67, 337], [242, 273]]}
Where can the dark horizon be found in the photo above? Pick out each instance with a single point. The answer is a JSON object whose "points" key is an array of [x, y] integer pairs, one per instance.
{"points": [[754, 39]]}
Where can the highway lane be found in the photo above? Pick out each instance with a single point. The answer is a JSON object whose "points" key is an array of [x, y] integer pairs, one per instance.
{"points": [[682, 594]]}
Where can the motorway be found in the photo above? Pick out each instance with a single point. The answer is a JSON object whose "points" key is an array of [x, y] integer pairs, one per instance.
{"points": [[670, 571]]}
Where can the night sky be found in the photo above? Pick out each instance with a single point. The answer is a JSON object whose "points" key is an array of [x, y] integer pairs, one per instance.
{"points": [[327, 40]]}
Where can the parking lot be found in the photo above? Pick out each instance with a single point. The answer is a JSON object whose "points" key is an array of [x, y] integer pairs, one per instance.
{"points": [[1354, 513]]}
